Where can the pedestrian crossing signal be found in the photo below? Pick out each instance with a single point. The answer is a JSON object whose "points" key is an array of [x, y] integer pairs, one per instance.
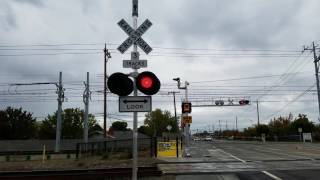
{"points": [[186, 107]]}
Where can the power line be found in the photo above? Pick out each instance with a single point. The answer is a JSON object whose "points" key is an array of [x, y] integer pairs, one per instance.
{"points": [[155, 47], [290, 102], [243, 78], [52, 54], [284, 78], [58, 44]]}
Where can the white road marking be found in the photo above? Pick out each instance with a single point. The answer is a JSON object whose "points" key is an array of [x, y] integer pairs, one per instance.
{"points": [[271, 175], [264, 149], [235, 157]]}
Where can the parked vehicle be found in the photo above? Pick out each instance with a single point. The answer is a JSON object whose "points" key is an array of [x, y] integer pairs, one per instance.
{"points": [[208, 138], [196, 139]]}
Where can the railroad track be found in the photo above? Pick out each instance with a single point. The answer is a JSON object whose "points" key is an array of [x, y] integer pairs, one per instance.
{"points": [[79, 174]]}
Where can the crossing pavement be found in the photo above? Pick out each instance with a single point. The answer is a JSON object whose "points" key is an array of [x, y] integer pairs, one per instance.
{"points": [[221, 159]]}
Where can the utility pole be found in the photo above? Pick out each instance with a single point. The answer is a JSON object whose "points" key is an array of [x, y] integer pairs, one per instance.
{"points": [[258, 112], [86, 96], [175, 108], [236, 123], [220, 126], [212, 127], [60, 92], [106, 58], [316, 67], [226, 124]]}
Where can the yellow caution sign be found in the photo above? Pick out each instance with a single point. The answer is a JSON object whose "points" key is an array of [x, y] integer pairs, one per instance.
{"points": [[187, 119], [167, 149]]}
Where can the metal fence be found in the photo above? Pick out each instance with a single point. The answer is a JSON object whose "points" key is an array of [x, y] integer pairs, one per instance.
{"points": [[111, 146]]}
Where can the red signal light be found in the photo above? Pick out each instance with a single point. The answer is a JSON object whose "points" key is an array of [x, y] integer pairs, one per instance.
{"points": [[146, 82], [244, 102]]}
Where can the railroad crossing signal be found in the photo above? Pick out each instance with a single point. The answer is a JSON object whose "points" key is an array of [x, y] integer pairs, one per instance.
{"points": [[148, 83], [134, 36], [186, 107], [122, 85], [244, 102]]}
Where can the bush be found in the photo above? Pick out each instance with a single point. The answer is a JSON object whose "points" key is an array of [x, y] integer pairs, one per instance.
{"points": [[105, 155]]}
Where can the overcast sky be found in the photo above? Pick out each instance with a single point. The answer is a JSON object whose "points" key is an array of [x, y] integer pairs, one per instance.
{"points": [[224, 49]]}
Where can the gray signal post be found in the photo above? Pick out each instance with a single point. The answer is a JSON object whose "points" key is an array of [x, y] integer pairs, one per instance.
{"points": [[135, 63], [187, 127]]}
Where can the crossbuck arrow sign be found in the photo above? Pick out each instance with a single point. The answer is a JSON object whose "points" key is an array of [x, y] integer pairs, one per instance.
{"points": [[134, 101], [134, 36]]}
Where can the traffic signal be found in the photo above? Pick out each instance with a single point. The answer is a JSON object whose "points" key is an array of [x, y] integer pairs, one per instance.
{"points": [[219, 102], [244, 102], [186, 107], [148, 83], [120, 84]]}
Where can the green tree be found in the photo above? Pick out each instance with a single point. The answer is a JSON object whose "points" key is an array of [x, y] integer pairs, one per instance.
{"points": [[262, 129], [119, 126], [279, 126], [156, 122], [302, 122], [145, 130], [250, 132], [72, 124], [256, 130], [17, 124]]}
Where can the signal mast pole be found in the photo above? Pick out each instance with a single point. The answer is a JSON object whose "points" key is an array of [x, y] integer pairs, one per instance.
{"points": [[146, 82], [135, 114], [187, 127]]}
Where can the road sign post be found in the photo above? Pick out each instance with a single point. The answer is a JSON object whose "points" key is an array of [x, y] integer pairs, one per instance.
{"points": [[134, 103]]}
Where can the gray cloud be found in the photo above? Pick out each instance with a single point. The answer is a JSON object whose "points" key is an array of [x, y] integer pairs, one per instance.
{"points": [[7, 17], [239, 24], [37, 3], [194, 24]]}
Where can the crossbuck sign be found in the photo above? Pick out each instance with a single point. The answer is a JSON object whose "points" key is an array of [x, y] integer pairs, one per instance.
{"points": [[134, 36]]}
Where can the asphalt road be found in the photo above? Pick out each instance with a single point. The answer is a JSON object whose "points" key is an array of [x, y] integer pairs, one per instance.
{"points": [[234, 160]]}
